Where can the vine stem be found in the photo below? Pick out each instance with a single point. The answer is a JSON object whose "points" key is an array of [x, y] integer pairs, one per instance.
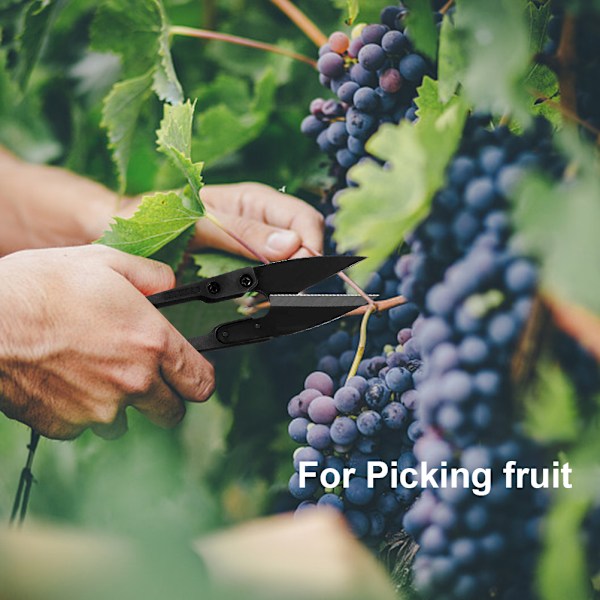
{"points": [[362, 342], [301, 20], [566, 59], [205, 34], [237, 238]]}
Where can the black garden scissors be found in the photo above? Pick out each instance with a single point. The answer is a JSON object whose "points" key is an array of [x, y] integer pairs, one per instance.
{"points": [[281, 282], [289, 312]]}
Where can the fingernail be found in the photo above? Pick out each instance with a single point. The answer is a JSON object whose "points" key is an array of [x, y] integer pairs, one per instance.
{"points": [[281, 241]]}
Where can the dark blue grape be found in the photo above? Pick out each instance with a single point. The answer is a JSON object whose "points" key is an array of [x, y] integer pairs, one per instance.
{"points": [[413, 67], [371, 57]]}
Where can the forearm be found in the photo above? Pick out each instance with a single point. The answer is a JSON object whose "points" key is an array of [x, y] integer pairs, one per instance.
{"points": [[44, 206]]}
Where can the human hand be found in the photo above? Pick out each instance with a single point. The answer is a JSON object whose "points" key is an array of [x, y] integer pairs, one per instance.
{"points": [[275, 224], [79, 343], [309, 555]]}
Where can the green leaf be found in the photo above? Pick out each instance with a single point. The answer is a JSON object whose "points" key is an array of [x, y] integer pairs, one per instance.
{"points": [[497, 50], [222, 130], [211, 264], [174, 139], [353, 9], [551, 408], [559, 223], [33, 33], [422, 27], [389, 202], [160, 219], [562, 571], [120, 115], [166, 83], [132, 30], [451, 59]]}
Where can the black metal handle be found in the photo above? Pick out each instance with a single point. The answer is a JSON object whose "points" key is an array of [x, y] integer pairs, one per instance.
{"points": [[215, 289]]}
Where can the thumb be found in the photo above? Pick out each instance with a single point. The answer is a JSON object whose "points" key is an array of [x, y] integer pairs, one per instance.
{"points": [[273, 243], [148, 276]]}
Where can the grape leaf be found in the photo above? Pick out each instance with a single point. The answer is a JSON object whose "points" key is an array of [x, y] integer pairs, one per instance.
{"points": [[174, 139], [33, 32], [559, 224], [562, 570], [497, 50], [161, 218], [211, 264], [451, 63], [551, 407], [166, 83], [353, 9], [422, 27], [389, 201], [221, 131], [130, 29], [120, 114]]}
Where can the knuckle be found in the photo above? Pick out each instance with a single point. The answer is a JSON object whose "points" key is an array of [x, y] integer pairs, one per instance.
{"points": [[104, 414], [138, 383]]}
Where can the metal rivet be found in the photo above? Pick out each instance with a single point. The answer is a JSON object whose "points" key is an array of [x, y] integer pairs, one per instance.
{"points": [[246, 281], [256, 325], [213, 287]]}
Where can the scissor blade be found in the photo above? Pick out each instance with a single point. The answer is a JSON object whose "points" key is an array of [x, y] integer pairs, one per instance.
{"points": [[295, 275], [287, 314], [292, 314]]}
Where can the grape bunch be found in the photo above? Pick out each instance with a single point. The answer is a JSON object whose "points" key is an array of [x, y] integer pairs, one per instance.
{"points": [[374, 74], [369, 417], [475, 289]]}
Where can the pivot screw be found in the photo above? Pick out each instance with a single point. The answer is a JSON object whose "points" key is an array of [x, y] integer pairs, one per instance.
{"points": [[213, 287], [246, 281]]}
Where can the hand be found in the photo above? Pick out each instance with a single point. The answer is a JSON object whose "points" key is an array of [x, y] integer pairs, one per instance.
{"points": [[79, 343], [309, 555], [275, 224]]}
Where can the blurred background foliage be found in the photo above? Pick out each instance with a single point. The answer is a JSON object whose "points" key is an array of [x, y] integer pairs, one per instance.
{"points": [[229, 461]]}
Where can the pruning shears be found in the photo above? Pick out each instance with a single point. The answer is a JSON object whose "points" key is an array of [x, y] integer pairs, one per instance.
{"points": [[281, 283]]}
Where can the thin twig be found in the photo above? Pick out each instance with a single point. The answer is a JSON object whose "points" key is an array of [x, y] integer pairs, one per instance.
{"points": [[301, 20], [205, 34], [347, 279], [573, 116], [362, 342], [446, 7], [263, 259]]}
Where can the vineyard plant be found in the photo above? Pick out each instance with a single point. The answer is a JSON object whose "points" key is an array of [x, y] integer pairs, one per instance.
{"points": [[454, 144]]}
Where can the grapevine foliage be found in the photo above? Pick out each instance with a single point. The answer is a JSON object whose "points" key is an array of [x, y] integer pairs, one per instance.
{"points": [[457, 140]]}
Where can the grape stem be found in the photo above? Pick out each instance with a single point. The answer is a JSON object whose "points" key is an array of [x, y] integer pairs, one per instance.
{"points": [[362, 342], [205, 34], [302, 21], [238, 239]]}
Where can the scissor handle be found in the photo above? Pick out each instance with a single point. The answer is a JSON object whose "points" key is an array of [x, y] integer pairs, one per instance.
{"points": [[222, 287]]}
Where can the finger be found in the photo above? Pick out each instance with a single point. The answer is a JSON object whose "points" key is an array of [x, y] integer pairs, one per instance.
{"points": [[185, 370], [265, 204], [148, 276], [273, 243], [112, 431], [162, 406]]}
